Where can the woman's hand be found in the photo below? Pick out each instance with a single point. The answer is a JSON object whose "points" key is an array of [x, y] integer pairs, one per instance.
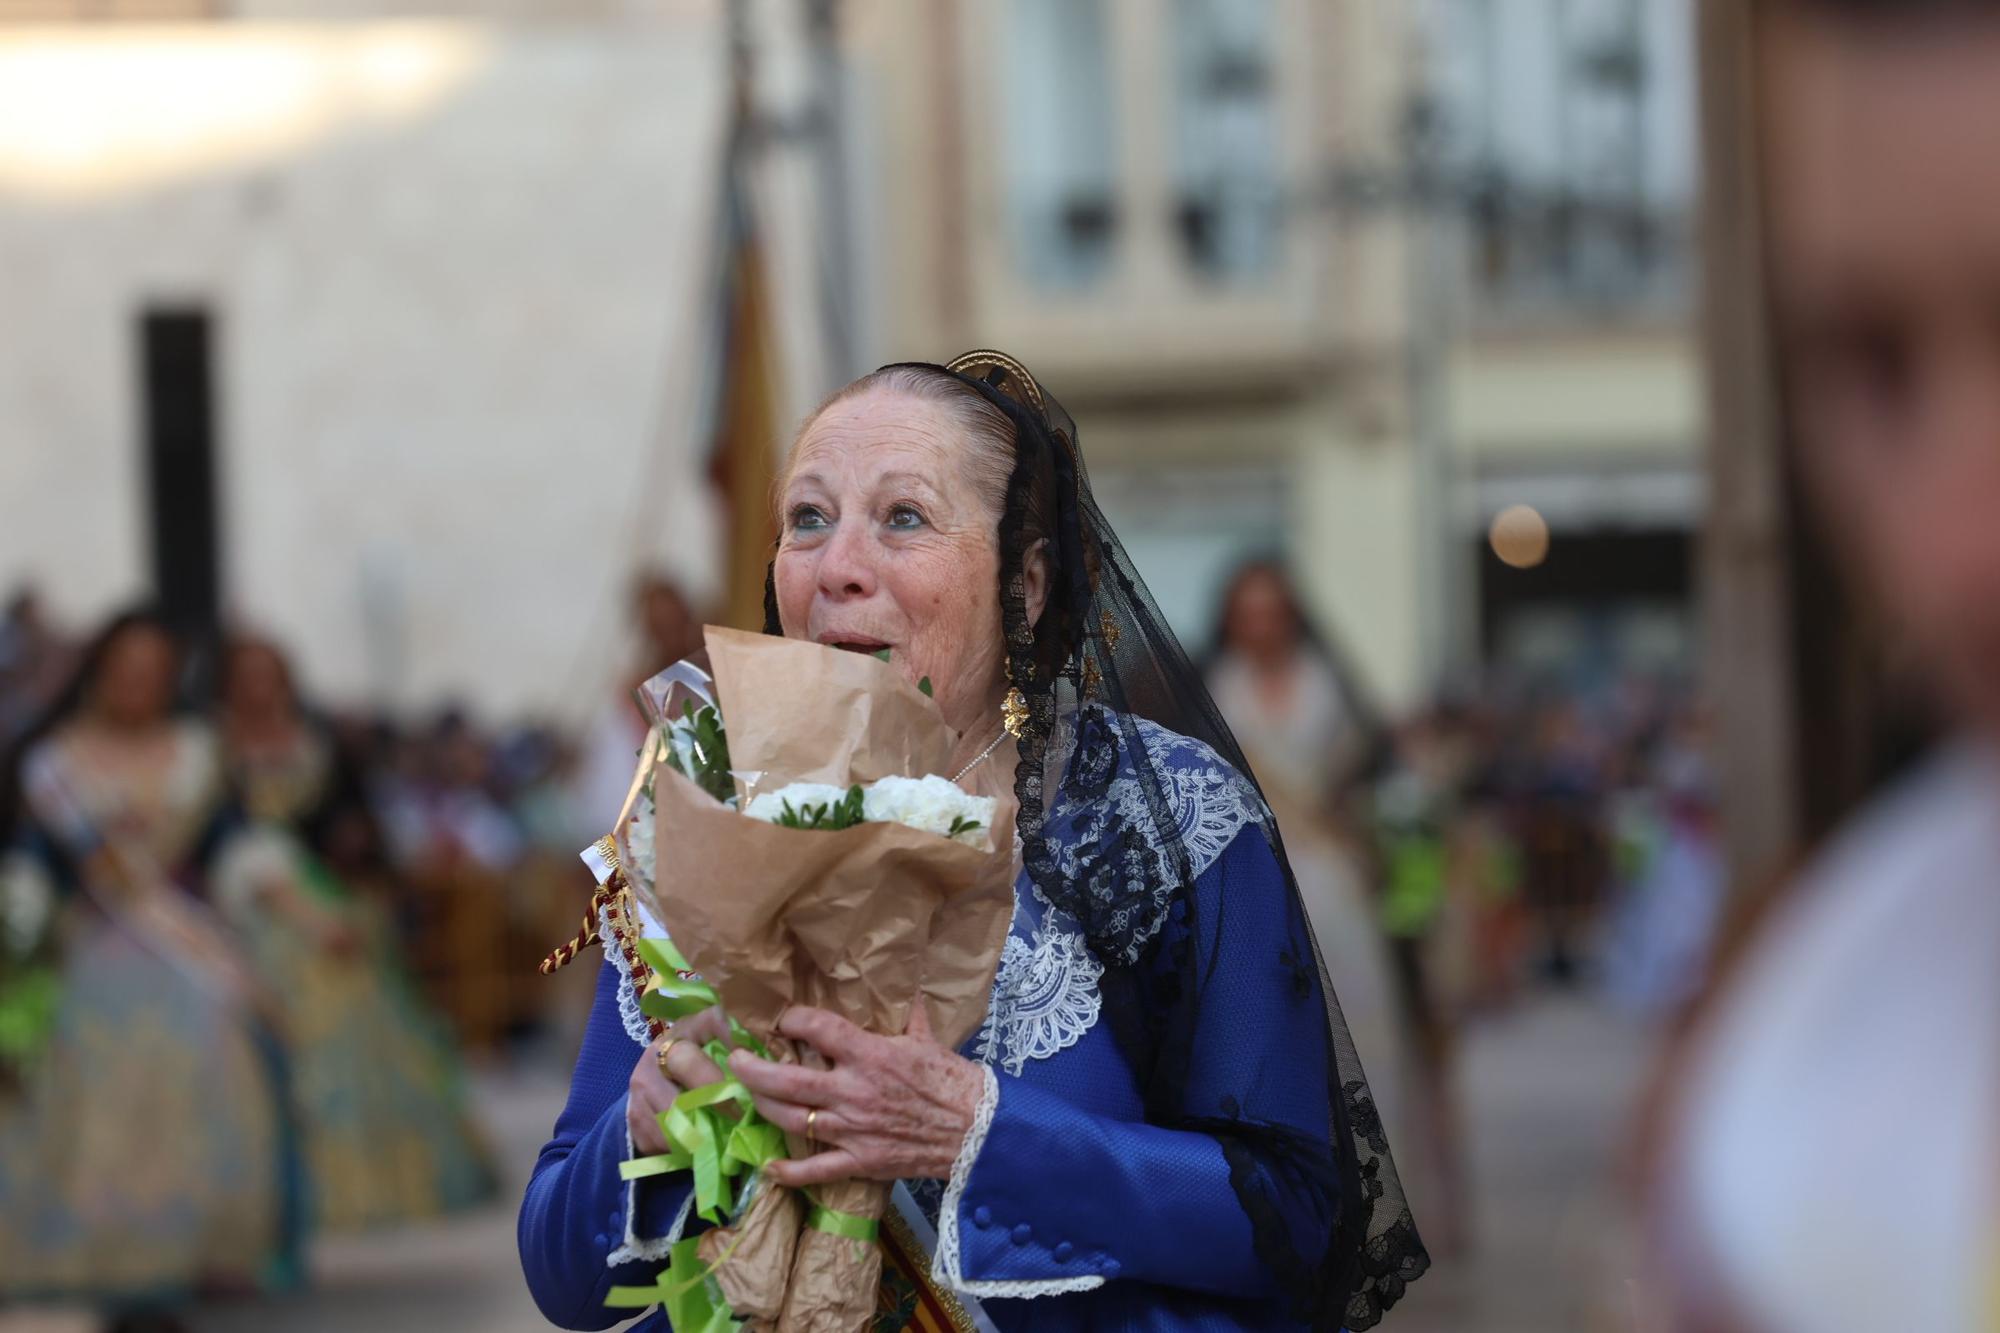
{"points": [[651, 1090], [890, 1108]]}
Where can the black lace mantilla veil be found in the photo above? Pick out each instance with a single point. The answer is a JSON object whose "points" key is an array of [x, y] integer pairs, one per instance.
{"points": [[1100, 659]]}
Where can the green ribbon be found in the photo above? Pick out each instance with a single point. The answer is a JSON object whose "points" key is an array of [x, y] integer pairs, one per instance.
{"points": [[836, 1223], [693, 1301], [715, 1133], [675, 992]]}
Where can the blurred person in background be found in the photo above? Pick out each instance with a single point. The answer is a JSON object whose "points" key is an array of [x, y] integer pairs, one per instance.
{"points": [[378, 1090], [1278, 689], [34, 660], [1277, 684], [440, 808], [537, 769], [145, 1148], [1416, 810], [1834, 1162], [1674, 879], [669, 630], [1564, 847]]}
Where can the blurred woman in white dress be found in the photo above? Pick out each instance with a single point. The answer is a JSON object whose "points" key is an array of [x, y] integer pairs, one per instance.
{"points": [[1297, 722]]}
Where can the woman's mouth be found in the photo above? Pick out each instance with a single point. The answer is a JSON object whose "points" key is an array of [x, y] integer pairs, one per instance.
{"points": [[853, 643]]}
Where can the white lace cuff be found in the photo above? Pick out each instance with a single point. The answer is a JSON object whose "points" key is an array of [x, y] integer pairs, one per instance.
{"points": [[630, 1016], [945, 1264], [635, 1246]]}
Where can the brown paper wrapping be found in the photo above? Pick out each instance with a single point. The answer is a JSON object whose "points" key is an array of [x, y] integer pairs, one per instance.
{"points": [[860, 921], [821, 715], [835, 1279], [752, 1257]]}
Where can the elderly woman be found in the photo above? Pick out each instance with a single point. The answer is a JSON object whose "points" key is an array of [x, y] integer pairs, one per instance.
{"points": [[1162, 1123]]}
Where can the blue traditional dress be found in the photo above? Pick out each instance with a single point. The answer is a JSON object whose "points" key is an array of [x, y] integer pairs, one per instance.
{"points": [[1066, 1208]]}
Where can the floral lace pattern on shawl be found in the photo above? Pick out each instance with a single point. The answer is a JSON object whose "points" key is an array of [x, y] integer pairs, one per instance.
{"points": [[1045, 995]]}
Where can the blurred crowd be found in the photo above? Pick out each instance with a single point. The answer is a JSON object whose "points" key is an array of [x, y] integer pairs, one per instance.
{"points": [[279, 929], [467, 830], [1526, 834], [1517, 836]]}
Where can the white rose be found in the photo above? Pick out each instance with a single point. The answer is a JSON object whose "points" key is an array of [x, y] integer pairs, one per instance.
{"points": [[932, 803]]}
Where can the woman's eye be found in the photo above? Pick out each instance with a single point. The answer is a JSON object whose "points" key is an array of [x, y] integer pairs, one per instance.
{"points": [[905, 516], [807, 518]]}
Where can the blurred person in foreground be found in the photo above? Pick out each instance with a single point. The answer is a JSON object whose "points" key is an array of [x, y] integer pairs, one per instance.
{"points": [[385, 1134], [1835, 1160], [145, 1150]]}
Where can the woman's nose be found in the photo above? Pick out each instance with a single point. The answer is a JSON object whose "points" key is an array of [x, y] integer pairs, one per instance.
{"points": [[847, 564]]}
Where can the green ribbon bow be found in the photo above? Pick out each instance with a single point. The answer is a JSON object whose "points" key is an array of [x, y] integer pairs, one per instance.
{"points": [[716, 1133], [675, 992]]}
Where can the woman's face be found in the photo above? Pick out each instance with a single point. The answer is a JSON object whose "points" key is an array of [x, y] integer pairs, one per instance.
{"points": [[256, 681], [887, 542], [1261, 624], [135, 686]]}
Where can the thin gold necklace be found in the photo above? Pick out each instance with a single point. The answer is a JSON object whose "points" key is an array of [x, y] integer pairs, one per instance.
{"points": [[982, 756]]}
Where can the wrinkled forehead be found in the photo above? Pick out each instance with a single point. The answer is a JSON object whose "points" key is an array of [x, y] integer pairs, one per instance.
{"points": [[1882, 147], [879, 433]]}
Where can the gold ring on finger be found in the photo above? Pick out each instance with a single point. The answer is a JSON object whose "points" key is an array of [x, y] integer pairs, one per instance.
{"points": [[812, 1139], [665, 1050]]}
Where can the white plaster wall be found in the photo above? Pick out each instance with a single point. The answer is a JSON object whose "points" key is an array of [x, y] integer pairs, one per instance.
{"points": [[461, 272]]}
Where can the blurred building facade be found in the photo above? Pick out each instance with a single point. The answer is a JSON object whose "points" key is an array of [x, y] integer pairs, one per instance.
{"points": [[1129, 196], [1565, 131], [1309, 288], [1338, 279]]}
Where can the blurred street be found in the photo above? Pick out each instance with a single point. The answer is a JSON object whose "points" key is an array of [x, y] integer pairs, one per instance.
{"points": [[1547, 1089], [462, 1273], [459, 1273]]}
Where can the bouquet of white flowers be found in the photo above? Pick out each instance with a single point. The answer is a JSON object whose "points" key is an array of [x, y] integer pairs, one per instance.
{"points": [[807, 854]]}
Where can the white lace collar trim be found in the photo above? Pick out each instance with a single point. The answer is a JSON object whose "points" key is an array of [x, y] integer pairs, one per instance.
{"points": [[1045, 993]]}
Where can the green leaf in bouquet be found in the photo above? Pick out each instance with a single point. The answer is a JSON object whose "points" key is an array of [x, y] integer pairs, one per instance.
{"points": [[925, 686], [964, 825], [708, 742], [828, 816]]}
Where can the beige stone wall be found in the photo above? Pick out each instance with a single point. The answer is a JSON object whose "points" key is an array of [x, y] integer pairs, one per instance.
{"points": [[460, 271], [1578, 393]]}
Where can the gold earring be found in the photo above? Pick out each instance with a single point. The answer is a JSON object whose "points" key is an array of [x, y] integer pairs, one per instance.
{"points": [[1014, 714]]}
